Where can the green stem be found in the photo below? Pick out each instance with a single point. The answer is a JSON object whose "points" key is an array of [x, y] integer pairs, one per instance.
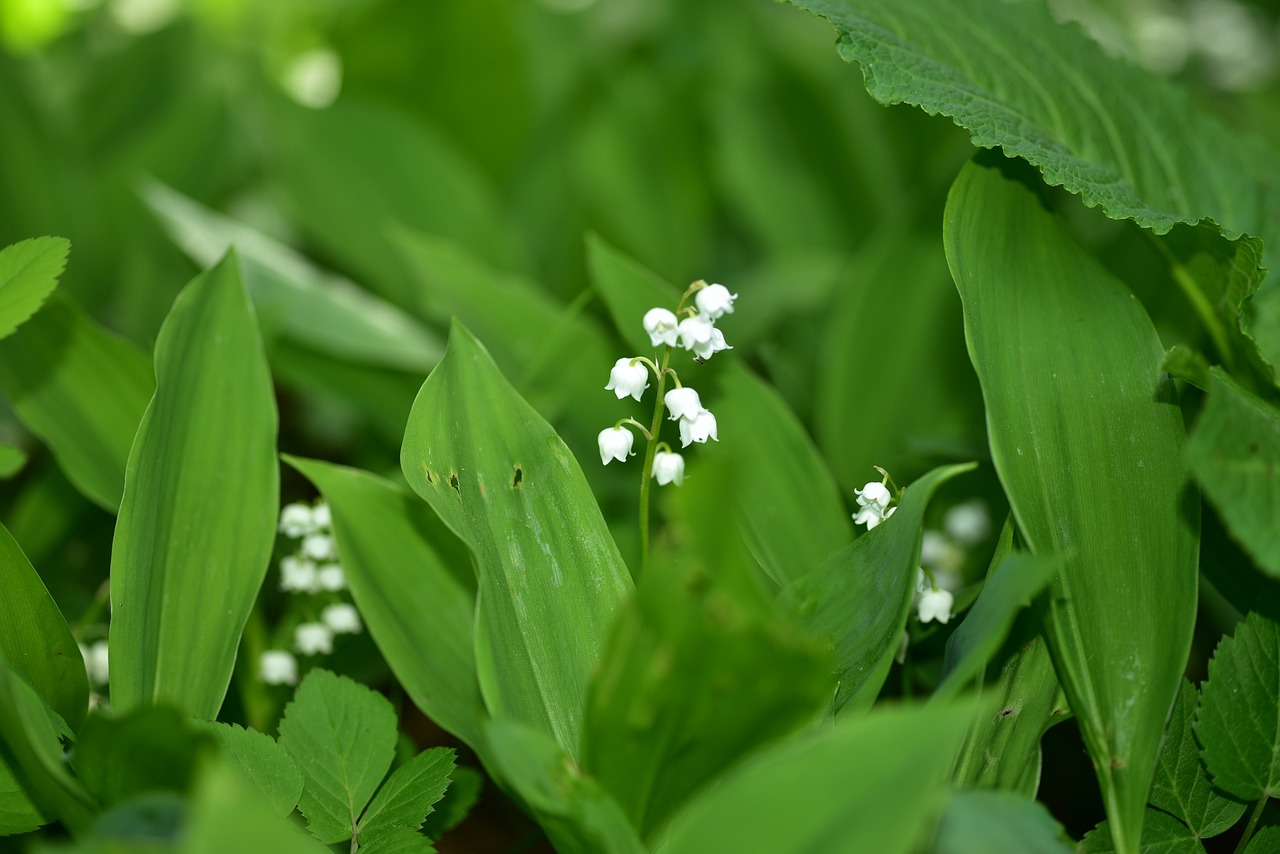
{"points": [[650, 450], [1253, 824]]}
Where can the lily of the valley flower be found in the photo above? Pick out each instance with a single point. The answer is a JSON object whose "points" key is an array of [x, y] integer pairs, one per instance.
{"points": [[296, 520], [668, 468], [661, 324], [935, 604], [696, 331], [874, 494], [298, 575], [278, 667], [682, 402], [698, 429], [96, 663], [312, 638], [628, 379], [615, 444], [706, 349], [331, 577], [342, 618], [714, 301], [968, 523], [871, 515]]}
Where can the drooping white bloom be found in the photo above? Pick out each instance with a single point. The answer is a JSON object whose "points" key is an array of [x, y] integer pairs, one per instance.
{"points": [[298, 575], [698, 429], [668, 468], [615, 444], [319, 547], [95, 662], [312, 638], [872, 515], [628, 379], [320, 517], [874, 494], [342, 618], [696, 331], [705, 350], [714, 301], [935, 605], [278, 667], [968, 523], [296, 520], [682, 402], [662, 326], [331, 577]]}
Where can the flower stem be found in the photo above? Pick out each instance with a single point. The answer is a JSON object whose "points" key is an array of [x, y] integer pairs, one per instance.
{"points": [[1252, 825], [646, 472]]}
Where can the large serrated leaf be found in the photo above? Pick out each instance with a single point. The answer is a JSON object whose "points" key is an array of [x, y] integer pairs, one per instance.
{"points": [[29, 272], [1088, 443], [197, 523], [407, 797], [551, 577], [343, 736], [82, 390], [260, 762], [413, 583]]}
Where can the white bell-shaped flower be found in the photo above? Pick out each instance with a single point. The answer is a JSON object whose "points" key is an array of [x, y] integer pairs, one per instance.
{"points": [[668, 468], [615, 444], [872, 515], [705, 350], [96, 663], [298, 575], [628, 379], [278, 667], [968, 523], [696, 331], [935, 605], [331, 577], [312, 638], [682, 402], [662, 326], [714, 301], [296, 520], [320, 517], [319, 547], [342, 618], [874, 494], [698, 429]]}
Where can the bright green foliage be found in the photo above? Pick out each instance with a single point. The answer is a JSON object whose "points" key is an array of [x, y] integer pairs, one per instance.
{"points": [[1182, 787], [579, 817], [260, 762], [1235, 455], [82, 390], [197, 523], [978, 822], [342, 735], [406, 798], [550, 575], [870, 783], [118, 757], [226, 815], [860, 597], [1239, 718], [629, 289], [399, 841], [1161, 834], [413, 583], [34, 637], [1088, 443], [1265, 841], [29, 272], [1017, 579]]}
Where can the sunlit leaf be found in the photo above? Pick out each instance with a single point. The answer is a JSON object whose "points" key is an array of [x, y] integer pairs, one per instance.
{"points": [[29, 272]]}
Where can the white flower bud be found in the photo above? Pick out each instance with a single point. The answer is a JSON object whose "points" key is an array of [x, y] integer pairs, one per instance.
{"points": [[298, 575], [872, 515], [935, 605], [698, 429], [968, 523], [873, 494], [695, 331], [714, 301], [296, 520], [95, 662], [342, 618], [661, 325], [706, 349], [319, 547], [320, 517], [615, 444], [331, 577], [278, 667], [682, 403], [668, 468], [312, 638], [628, 379]]}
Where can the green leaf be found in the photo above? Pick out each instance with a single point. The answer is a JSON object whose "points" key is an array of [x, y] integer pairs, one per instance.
{"points": [[860, 597], [29, 272], [1239, 718], [1161, 834], [227, 815], [413, 583], [197, 523], [1182, 787], [399, 841], [1102, 128], [1235, 455], [119, 757], [342, 735], [11, 461], [579, 817], [1016, 580], [407, 797], [870, 783], [1265, 841], [82, 390], [321, 310], [629, 290], [18, 813], [550, 575], [700, 669], [262, 764], [1088, 443], [977, 822], [35, 638]]}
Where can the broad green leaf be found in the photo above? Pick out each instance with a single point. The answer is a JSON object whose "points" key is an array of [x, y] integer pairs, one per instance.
{"points": [[978, 822], [579, 817], [324, 311], [1265, 841], [260, 762], [1182, 787], [550, 575], [82, 390], [414, 586], [30, 748], [700, 669], [407, 797], [1161, 834], [18, 814], [870, 783], [1235, 455], [197, 523], [118, 757], [785, 487], [1238, 722], [342, 735], [860, 597], [29, 272], [1098, 126], [11, 461], [227, 815], [629, 289], [399, 841], [1015, 581], [35, 638], [1088, 443]]}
